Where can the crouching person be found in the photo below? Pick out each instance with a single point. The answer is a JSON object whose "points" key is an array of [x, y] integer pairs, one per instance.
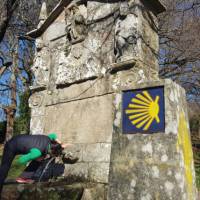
{"points": [[31, 147]]}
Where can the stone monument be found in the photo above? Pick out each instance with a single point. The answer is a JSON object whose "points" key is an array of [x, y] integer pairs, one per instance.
{"points": [[97, 86]]}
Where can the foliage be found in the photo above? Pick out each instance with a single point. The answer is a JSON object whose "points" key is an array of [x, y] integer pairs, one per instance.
{"points": [[197, 167], [195, 127], [17, 17], [195, 124], [16, 169], [22, 122], [179, 45]]}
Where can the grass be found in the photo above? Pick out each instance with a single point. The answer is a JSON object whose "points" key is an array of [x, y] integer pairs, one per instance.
{"points": [[198, 178], [197, 167], [196, 153], [16, 169]]}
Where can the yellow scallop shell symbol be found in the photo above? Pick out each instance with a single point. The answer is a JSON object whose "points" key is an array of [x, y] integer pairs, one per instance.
{"points": [[143, 110]]}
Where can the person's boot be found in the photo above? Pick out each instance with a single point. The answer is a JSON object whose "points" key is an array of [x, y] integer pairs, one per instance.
{"points": [[24, 180]]}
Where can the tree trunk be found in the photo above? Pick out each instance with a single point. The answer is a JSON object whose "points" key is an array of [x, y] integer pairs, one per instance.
{"points": [[7, 7], [10, 116], [11, 110]]}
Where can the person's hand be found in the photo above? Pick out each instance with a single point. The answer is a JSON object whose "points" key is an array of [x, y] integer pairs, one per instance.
{"points": [[40, 158], [65, 145]]}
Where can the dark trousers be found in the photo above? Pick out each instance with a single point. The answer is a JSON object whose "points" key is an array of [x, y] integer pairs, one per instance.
{"points": [[30, 169], [7, 158]]}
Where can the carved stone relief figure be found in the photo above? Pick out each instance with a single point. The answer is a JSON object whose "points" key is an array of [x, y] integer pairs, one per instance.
{"points": [[76, 28], [41, 64], [36, 100], [126, 34]]}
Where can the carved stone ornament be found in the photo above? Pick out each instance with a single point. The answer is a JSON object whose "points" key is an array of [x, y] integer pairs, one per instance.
{"points": [[36, 100], [126, 36], [76, 28], [40, 68], [39, 44], [124, 9]]}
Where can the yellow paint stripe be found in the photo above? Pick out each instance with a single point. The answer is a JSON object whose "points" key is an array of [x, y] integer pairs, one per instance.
{"points": [[137, 115], [147, 95], [139, 102], [139, 96], [143, 122]]}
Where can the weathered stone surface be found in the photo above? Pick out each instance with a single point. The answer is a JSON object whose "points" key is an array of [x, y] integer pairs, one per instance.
{"points": [[148, 181], [149, 40], [98, 193], [99, 172], [88, 171], [76, 150], [55, 191], [109, 39], [99, 152], [93, 164], [77, 171], [155, 166], [86, 121], [138, 147], [52, 34], [37, 111], [37, 125], [126, 37], [92, 144], [87, 89], [41, 66]]}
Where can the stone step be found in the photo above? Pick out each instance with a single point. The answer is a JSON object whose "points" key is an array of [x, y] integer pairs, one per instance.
{"points": [[54, 191]]}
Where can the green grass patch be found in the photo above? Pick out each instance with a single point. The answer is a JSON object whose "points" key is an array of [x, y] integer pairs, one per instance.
{"points": [[16, 169], [198, 178], [197, 167]]}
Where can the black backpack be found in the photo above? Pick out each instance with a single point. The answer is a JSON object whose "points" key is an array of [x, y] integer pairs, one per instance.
{"points": [[48, 169]]}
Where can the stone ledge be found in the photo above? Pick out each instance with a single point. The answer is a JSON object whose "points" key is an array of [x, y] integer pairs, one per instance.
{"points": [[55, 191]]}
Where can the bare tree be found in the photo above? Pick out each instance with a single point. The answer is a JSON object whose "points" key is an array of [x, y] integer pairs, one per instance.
{"points": [[179, 45], [7, 7], [16, 55]]}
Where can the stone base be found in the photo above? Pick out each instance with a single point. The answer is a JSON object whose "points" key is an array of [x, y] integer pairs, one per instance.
{"points": [[147, 166]]}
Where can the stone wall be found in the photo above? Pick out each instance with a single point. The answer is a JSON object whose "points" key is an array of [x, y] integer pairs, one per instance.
{"points": [[87, 38], [74, 81]]}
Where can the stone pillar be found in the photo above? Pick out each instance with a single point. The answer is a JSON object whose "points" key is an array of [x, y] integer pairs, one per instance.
{"points": [[156, 163], [92, 61]]}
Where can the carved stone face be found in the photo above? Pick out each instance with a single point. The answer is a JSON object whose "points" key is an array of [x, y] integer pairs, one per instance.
{"points": [[126, 37], [124, 8], [35, 100], [79, 19], [40, 67], [39, 44]]}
